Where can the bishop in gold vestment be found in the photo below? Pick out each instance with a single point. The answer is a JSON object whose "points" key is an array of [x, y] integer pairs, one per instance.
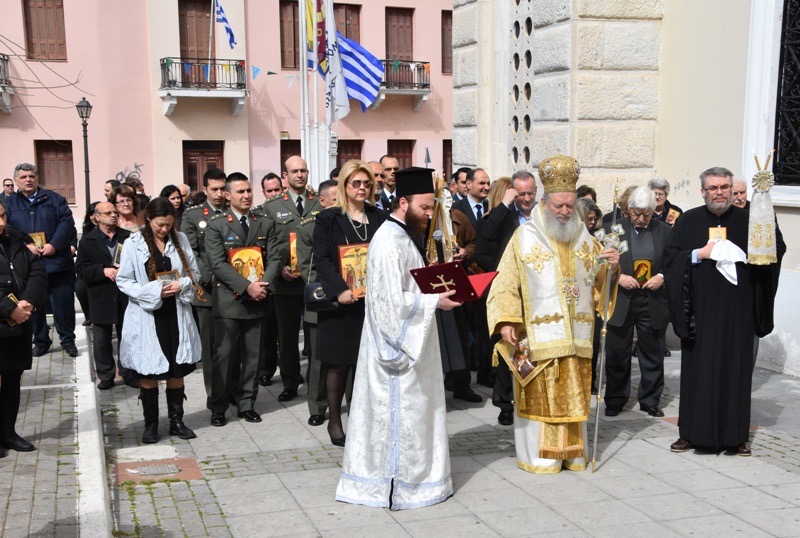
{"points": [[542, 304]]}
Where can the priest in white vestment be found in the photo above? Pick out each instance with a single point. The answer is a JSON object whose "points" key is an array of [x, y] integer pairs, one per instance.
{"points": [[397, 452], [543, 301]]}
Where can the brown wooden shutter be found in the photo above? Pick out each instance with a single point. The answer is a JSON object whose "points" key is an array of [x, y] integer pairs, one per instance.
{"points": [[399, 34], [447, 158], [340, 14], [348, 150], [402, 150], [289, 148], [447, 41], [56, 168], [45, 33], [199, 156], [348, 20], [290, 38]]}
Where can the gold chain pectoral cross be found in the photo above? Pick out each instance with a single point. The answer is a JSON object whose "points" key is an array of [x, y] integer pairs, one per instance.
{"points": [[442, 283]]}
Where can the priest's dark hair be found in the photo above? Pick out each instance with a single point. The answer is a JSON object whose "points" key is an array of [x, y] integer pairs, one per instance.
{"points": [[396, 201], [717, 171]]}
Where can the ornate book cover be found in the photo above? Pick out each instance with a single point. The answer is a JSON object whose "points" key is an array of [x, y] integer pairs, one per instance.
{"points": [[248, 262], [353, 267], [452, 276]]}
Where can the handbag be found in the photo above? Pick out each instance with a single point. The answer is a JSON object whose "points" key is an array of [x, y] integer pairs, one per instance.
{"points": [[314, 295]]}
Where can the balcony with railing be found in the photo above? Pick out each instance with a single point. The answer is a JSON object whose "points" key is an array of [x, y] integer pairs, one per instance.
{"points": [[202, 78], [6, 88], [405, 78]]}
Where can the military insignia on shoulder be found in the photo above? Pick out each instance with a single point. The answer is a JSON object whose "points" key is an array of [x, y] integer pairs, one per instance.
{"points": [[215, 217], [230, 218], [273, 197], [308, 219]]}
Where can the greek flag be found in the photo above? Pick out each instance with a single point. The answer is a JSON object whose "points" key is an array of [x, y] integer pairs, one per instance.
{"points": [[363, 72], [224, 20]]}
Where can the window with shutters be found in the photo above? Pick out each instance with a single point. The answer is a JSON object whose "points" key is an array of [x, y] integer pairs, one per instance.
{"points": [[447, 158], [194, 23], [347, 150], [290, 38], [348, 20], [45, 36], [447, 42], [56, 171], [402, 150], [399, 34], [200, 156]]}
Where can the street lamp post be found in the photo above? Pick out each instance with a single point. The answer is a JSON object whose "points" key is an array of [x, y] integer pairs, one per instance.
{"points": [[84, 111]]}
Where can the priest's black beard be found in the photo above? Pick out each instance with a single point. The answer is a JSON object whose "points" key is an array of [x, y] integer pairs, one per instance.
{"points": [[417, 224], [564, 232]]}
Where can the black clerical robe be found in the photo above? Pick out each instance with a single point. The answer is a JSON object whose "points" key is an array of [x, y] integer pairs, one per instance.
{"points": [[716, 322]]}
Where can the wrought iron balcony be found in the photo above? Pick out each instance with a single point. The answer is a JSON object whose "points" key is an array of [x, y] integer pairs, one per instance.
{"points": [[201, 77], [6, 88], [405, 78]]}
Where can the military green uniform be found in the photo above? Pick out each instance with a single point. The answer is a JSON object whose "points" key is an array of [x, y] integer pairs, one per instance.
{"points": [[282, 211], [238, 319], [194, 224], [317, 372]]}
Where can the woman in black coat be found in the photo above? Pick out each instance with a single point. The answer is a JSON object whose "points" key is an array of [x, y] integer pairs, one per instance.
{"points": [[27, 283], [349, 221]]}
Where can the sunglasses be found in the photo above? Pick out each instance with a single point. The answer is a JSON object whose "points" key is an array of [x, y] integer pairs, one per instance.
{"points": [[358, 183]]}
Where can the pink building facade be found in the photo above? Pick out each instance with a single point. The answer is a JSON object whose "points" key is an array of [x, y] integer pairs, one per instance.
{"points": [[168, 105]]}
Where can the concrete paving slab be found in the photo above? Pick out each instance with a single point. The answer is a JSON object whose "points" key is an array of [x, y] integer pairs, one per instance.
{"points": [[783, 522], [716, 525], [452, 526], [521, 521], [736, 501]]}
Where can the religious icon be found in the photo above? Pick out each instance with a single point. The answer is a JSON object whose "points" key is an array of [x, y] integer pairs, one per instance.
{"points": [[642, 270], [117, 255], [39, 239], [672, 216], [294, 264], [248, 262], [353, 267], [168, 276], [717, 232], [14, 299]]}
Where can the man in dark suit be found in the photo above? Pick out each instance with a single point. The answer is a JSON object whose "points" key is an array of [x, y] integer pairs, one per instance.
{"points": [[474, 205], [238, 302], [665, 210], [286, 212], [493, 236], [460, 178], [390, 166], [194, 224], [642, 304], [97, 265]]}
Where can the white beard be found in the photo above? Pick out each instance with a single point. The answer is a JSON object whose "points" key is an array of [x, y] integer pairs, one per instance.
{"points": [[565, 232]]}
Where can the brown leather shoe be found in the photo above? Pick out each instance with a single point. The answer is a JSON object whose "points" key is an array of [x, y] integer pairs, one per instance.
{"points": [[681, 445], [743, 450]]}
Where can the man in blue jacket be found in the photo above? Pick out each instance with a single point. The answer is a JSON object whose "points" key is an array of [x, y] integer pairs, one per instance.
{"points": [[33, 209]]}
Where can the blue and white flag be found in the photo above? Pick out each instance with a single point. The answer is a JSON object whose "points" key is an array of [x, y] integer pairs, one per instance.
{"points": [[224, 20], [337, 104], [363, 72]]}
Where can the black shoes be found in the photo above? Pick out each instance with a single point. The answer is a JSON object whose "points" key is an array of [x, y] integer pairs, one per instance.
{"points": [[70, 348], [652, 410], [506, 417], [249, 416], [681, 445], [667, 354], [265, 380], [40, 349], [743, 450], [287, 395], [218, 419], [467, 395], [105, 384], [339, 441], [614, 411], [15, 442], [316, 420]]}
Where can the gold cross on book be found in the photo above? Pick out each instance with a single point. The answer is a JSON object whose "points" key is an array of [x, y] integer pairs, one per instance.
{"points": [[442, 283]]}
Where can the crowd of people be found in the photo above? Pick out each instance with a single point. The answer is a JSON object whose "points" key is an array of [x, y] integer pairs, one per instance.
{"points": [[210, 278]]}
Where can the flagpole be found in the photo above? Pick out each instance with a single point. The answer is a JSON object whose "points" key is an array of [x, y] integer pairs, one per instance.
{"points": [[316, 168], [211, 33], [303, 42]]}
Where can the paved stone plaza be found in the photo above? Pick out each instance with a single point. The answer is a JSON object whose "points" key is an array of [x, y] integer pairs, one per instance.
{"points": [[278, 478]]}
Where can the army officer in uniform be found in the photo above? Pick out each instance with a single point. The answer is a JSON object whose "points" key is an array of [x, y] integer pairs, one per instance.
{"points": [[238, 300]]}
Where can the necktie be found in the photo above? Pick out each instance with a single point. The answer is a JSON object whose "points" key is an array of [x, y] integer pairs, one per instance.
{"points": [[300, 204], [245, 227], [479, 210]]}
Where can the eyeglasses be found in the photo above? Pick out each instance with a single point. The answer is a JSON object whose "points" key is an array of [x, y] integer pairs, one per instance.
{"points": [[8, 184], [124, 201], [358, 183], [635, 214], [660, 194], [721, 188]]}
